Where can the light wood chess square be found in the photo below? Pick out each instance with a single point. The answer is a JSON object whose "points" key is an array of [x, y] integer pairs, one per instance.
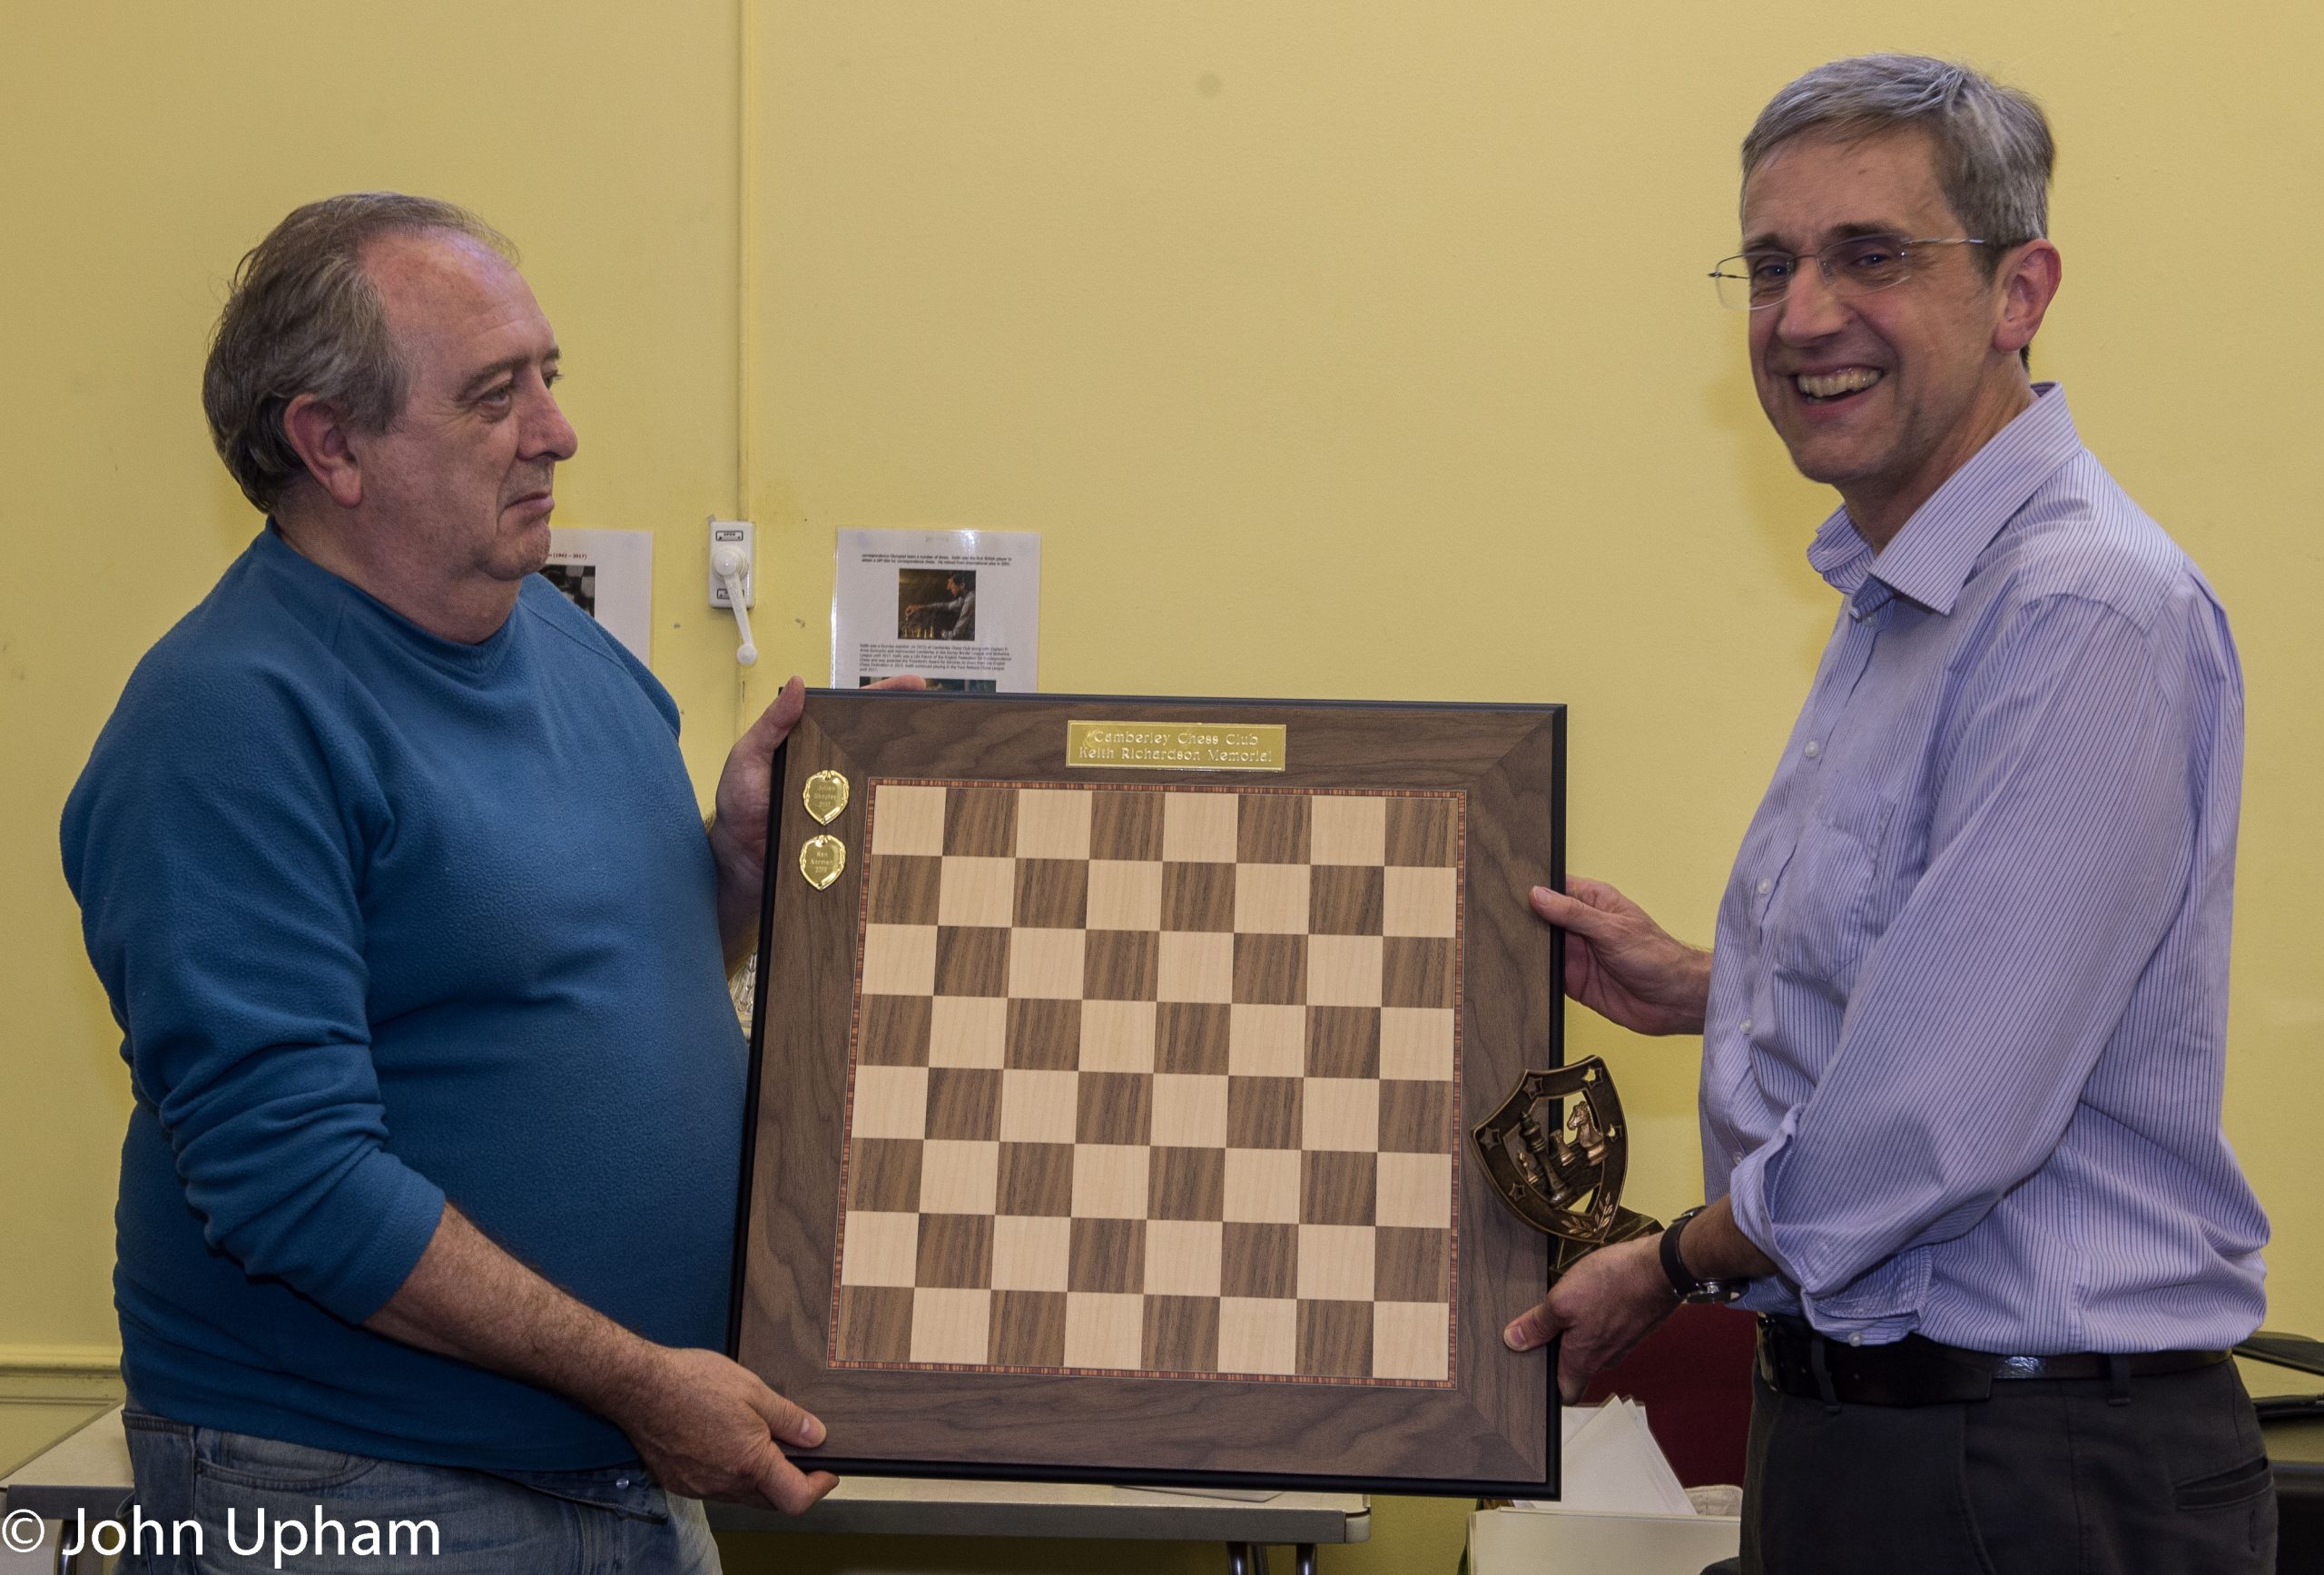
{"points": [[1415, 1189], [1416, 1042], [958, 1176], [1117, 1036], [1411, 1340], [1421, 901], [1263, 1186], [1182, 1257], [1044, 963], [1198, 828], [880, 1249], [1348, 828], [1343, 970], [899, 959], [1271, 899], [1189, 1110], [1104, 1329], [1339, 1113], [890, 1102], [1258, 1335], [1335, 1263], [1124, 895], [1110, 1180], [951, 1325], [1030, 1253], [1039, 1107], [967, 1031], [907, 820], [1267, 1041], [1196, 966], [1052, 823], [982, 892]]}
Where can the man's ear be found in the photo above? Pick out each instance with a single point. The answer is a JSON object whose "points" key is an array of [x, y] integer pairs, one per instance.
{"points": [[316, 428], [2028, 283]]}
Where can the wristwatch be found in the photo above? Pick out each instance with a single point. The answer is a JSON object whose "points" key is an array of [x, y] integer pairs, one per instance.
{"points": [[1683, 1282]]}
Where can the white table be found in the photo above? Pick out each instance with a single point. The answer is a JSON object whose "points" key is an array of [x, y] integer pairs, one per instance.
{"points": [[88, 1470]]}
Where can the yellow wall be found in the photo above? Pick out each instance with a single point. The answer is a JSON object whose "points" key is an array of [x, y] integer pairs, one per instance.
{"points": [[1335, 350]]}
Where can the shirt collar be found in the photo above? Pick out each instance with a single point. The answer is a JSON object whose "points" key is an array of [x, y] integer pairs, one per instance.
{"points": [[1936, 552]]}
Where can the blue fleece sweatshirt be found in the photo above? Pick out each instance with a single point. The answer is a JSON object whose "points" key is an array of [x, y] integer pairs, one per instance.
{"points": [[387, 918]]}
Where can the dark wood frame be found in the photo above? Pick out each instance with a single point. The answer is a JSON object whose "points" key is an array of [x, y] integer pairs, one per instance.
{"points": [[1214, 1432]]}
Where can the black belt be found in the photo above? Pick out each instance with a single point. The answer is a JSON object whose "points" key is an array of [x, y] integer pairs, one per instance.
{"points": [[1913, 1371]]}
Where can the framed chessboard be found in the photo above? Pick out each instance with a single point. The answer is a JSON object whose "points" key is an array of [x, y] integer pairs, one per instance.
{"points": [[1109, 1108]]}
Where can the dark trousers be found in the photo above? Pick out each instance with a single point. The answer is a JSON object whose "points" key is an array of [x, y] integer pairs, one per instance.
{"points": [[2047, 1478]]}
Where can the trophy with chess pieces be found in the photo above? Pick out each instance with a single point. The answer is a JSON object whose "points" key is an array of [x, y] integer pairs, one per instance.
{"points": [[1563, 1177]]}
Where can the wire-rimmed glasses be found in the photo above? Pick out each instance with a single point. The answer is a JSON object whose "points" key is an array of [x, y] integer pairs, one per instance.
{"points": [[1753, 280]]}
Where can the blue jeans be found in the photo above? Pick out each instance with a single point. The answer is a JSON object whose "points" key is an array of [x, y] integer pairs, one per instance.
{"points": [[329, 1513]]}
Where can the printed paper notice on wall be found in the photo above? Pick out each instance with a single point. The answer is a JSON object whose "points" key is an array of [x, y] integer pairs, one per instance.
{"points": [[608, 574], [961, 608]]}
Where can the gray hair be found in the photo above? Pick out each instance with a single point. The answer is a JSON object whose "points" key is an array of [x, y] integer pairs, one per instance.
{"points": [[1993, 151], [301, 317]]}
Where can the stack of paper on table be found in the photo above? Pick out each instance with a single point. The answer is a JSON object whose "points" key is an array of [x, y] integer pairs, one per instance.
{"points": [[1621, 1508], [1611, 1464]]}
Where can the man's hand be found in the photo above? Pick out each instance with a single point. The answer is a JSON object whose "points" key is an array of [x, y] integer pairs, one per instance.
{"points": [[1603, 1305], [739, 814], [709, 1428], [703, 1426], [1622, 964]]}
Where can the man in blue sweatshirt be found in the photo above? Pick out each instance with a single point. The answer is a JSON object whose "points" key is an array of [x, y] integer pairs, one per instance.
{"points": [[392, 872]]}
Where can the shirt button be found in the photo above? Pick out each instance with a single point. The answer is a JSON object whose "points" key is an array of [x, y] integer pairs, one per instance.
{"points": [[1813, 749], [1857, 1339], [1745, 1028], [1765, 886], [621, 1481]]}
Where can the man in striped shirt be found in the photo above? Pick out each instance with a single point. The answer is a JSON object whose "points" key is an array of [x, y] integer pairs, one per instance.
{"points": [[1965, 1021]]}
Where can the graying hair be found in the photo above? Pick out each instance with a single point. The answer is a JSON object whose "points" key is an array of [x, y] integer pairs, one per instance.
{"points": [[1994, 150], [302, 316]]}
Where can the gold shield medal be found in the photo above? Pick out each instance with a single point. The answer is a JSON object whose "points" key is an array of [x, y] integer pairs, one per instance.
{"points": [[822, 860], [824, 796]]}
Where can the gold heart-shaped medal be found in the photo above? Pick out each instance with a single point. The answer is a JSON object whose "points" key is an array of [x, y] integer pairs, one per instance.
{"points": [[824, 796], [822, 860]]}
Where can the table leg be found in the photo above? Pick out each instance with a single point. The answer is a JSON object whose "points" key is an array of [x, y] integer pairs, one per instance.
{"points": [[1306, 1558]]}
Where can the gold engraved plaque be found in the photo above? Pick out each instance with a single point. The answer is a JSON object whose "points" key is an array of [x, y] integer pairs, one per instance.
{"points": [[822, 860], [824, 796], [1177, 745]]}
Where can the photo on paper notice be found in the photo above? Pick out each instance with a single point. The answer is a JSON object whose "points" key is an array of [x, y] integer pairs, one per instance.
{"points": [[951, 686], [577, 581], [936, 603]]}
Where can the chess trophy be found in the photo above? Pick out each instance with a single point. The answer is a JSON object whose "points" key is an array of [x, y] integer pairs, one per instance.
{"points": [[1565, 1187]]}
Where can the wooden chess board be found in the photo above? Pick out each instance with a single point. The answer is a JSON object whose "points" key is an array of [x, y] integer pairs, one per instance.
{"points": [[1109, 1120], [1154, 1080]]}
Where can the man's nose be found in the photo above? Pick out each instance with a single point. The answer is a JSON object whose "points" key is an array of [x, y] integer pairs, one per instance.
{"points": [[1810, 309], [547, 434]]}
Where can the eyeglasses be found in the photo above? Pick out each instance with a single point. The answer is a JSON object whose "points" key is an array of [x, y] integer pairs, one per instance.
{"points": [[1859, 265]]}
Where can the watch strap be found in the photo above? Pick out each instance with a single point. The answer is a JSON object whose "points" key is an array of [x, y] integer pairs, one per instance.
{"points": [[1684, 1282]]}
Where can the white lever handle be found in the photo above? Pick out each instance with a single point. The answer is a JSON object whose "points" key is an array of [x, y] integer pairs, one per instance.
{"points": [[726, 561]]}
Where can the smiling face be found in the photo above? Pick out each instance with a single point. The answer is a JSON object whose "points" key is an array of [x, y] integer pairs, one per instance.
{"points": [[1884, 394], [459, 489]]}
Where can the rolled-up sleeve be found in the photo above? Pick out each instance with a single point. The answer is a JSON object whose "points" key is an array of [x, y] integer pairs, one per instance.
{"points": [[2060, 841]]}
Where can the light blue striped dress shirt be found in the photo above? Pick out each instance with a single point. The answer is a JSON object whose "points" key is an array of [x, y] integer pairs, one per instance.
{"points": [[1968, 1032]]}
